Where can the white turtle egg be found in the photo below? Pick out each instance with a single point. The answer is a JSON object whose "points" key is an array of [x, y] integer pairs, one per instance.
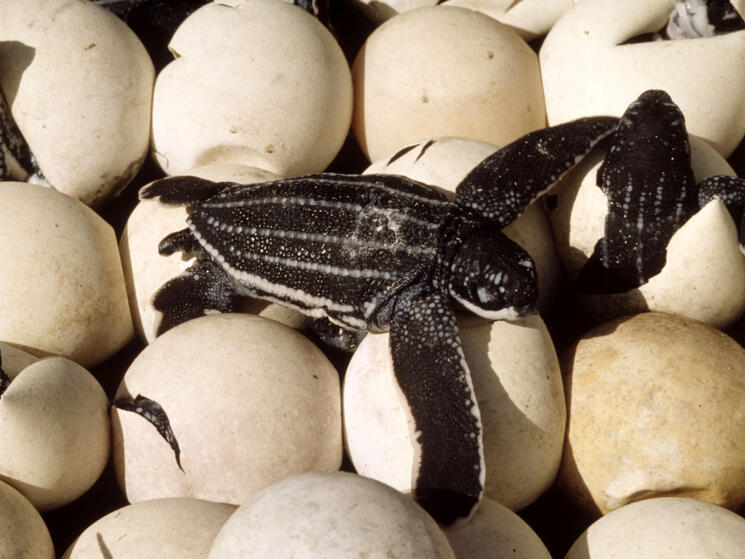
{"points": [[587, 70], [704, 274], [24, 534], [249, 401], [257, 82], [664, 528], [518, 388], [495, 532], [54, 416], [444, 71], [656, 407], [145, 270], [62, 283], [79, 84], [529, 18], [175, 528], [330, 515], [444, 163]]}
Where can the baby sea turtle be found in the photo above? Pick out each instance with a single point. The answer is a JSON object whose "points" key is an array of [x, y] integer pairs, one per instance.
{"points": [[382, 252], [647, 178]]}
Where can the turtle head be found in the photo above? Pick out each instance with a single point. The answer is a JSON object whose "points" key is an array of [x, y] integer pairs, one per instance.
{"points": [[493, 276]]}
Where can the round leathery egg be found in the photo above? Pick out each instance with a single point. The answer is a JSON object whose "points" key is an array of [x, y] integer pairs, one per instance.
{"points": [[257, 82], [495, 532], [86, 123], [444, 162], [330, 515], [170, 528], [24, 534], [247, 401], [62, 283], [518, 387], [444, 71], [588, 70], [656, 407], [145, 270], [663, 528], [704, 273], [56, 429]]}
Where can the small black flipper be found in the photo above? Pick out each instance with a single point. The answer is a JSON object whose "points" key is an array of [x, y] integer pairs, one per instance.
{"points": [[433, 375], [651, 192], [155, 414], [731, 191], [182, 190], [333, 335], [502, 185], [202, 288]]}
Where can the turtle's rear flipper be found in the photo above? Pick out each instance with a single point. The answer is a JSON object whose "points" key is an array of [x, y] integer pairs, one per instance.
{"points": [[503, 184], [333, 335], [203, 288], [444, 418], [731, 191], [181, 191]]}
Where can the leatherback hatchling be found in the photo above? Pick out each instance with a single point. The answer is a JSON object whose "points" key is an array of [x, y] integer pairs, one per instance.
{"points": [[382, 252]]}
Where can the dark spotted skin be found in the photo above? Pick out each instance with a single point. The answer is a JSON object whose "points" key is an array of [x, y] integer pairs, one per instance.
{"points": [[17, 163], [382, 252], [651, 191]]}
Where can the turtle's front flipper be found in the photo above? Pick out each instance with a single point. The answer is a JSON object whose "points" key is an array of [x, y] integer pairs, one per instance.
{"points": [[731, 191], [432, 373], [503, 184], [203, 288]]}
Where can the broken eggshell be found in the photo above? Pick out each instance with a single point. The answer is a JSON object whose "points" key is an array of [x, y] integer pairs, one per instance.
{"points": [[79, 84], [444, 163], [663, 528], [330, 515], [248, 400], [177, 528], [444, 71], [518, 387], [496, 532], [62, 283], [24, 534], [656, 407], [257, 82], [56, 430], [704, 274], [145, 270], [587, 70], [529, 18]]}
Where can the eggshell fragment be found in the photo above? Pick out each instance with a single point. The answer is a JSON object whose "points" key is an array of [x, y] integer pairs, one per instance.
{"points": [[664, 528], [529, 18], [443, 71], [330, 515], [588, 71], [704, 275], [257, 82], [444, 163], [656, 407], [79, 84], [248, 399], [518, 387], [495, 532], [62, 283], [24, 534], [145, 270], [177, 528]]}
